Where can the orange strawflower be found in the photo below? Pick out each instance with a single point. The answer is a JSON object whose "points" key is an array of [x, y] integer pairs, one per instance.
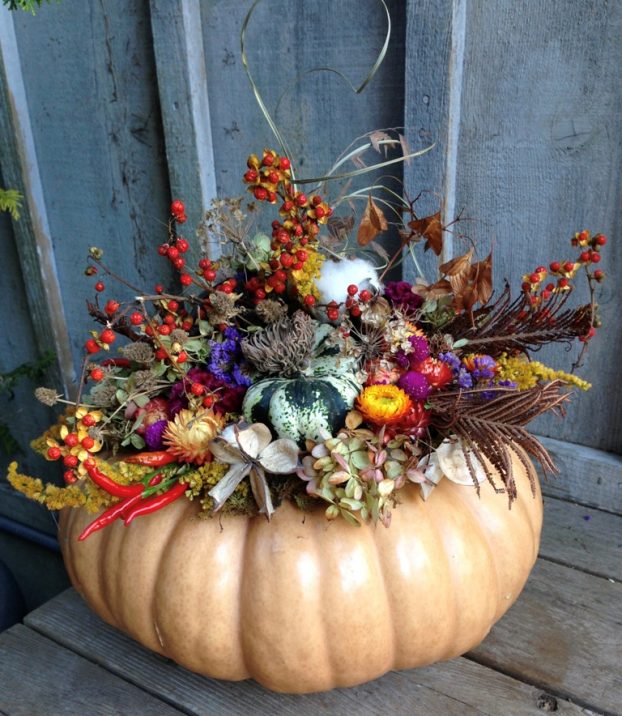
{"points": [[383, 404]]}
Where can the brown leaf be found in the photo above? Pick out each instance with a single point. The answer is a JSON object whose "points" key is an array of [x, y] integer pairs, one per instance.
{"points": [[482, 271], [376, 137], [431, 229], [372, 223], [434, 290], [457, 266], [339, 227]]}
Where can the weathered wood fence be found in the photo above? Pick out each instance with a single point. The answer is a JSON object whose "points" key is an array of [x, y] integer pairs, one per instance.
{"points": [[108, 108]]}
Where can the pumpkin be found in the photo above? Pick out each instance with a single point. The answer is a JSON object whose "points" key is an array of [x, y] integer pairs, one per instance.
{"points": [[301, 604], [302, 407]]}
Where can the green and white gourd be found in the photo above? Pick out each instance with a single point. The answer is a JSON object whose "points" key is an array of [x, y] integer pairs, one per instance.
{"points": [[304, 407]]}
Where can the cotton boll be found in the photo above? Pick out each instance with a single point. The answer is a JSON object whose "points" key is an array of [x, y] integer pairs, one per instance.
{"points": [[336, 276]]}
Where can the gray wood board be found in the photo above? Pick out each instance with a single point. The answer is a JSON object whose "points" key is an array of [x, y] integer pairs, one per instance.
{"points": [[563, 635], [588, 476], [428, 114], [583, 538], [538, 158], [319, 116], [454, 688], [89, 73], [38, 678]]}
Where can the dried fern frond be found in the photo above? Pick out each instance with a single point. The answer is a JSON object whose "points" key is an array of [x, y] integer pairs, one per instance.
{"points": [[491, 430], [284, 347], [510, 326]]}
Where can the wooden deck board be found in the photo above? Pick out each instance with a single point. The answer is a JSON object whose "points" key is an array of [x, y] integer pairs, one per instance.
{"points": [[583, 538], [562, 634], [456, 688], [40, 678]]}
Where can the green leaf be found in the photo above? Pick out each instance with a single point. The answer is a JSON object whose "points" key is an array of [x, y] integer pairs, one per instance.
{"points": [[121, 396], [137, 441], [205, 328], [141, 400], [360, 460], [460, 343]]}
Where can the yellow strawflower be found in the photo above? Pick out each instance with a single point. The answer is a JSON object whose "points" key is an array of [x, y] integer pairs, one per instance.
{"points": [[383, 404]]}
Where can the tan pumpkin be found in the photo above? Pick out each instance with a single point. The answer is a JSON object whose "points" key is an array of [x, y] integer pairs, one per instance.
{"points": [[300, 604]]}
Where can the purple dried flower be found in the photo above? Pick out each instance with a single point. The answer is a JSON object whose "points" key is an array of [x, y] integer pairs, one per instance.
{"points": [[415, 385], [420, 349], [153, 434], [400, 294]]}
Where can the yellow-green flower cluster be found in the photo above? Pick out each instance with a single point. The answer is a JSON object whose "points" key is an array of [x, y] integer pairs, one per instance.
{"points": [[304, 278], [85, 494], [201, 481], [526, 373]]}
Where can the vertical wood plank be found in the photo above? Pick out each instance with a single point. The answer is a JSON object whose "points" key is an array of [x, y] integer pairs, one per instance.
{"points": [[20, 170], [431, 94], [539, 158], [183, 89]]}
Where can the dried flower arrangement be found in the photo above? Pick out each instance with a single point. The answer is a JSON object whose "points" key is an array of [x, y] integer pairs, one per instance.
{"points": [[291, 360]]}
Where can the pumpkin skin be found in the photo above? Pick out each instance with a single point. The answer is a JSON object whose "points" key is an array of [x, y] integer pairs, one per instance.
{"points": [[303, 407], [300, 604]]}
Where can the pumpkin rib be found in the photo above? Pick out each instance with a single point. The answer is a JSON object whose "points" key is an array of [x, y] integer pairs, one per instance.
{"points": [[159, 612], [242, 571], [389, 610], [476, 522]]}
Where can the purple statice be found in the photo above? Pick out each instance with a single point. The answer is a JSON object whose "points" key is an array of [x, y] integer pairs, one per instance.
{"points": [[482, 367], [491, 394], [400, 294], [226, 360], [415, 385], [153, 434], [462, 376]]}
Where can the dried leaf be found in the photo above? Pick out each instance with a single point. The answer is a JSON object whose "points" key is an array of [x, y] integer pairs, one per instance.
{"points": [[376, 137], [339, 227], [225, 487], [431, 229], [459, 265], [280, 457], [372, 223], [482, 277], [254, 439], [353, 419], [261, 492], [434, 290]]}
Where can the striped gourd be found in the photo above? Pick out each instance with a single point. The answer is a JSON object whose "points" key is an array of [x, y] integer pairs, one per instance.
{"points": [[303, 407]]}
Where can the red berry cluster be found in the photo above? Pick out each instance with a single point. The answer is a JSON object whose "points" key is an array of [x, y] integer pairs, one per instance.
{"points": [[178, 211], [298, 228], [353, 302], [538, 293], [176, 247]]}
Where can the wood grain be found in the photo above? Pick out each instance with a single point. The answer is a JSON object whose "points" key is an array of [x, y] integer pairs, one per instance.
{"points": [[183, 91], [588, 476], [582, 538], [453, 688], [563, 635], [39, 678]]}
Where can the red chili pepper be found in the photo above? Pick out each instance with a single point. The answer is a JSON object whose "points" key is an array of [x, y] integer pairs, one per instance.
{"points": [[110, 515], [157, 502], [109, 485], [157, 458]]}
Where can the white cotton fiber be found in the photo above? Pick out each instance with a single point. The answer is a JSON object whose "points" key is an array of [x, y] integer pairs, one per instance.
{"points": [[336, 276]]}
